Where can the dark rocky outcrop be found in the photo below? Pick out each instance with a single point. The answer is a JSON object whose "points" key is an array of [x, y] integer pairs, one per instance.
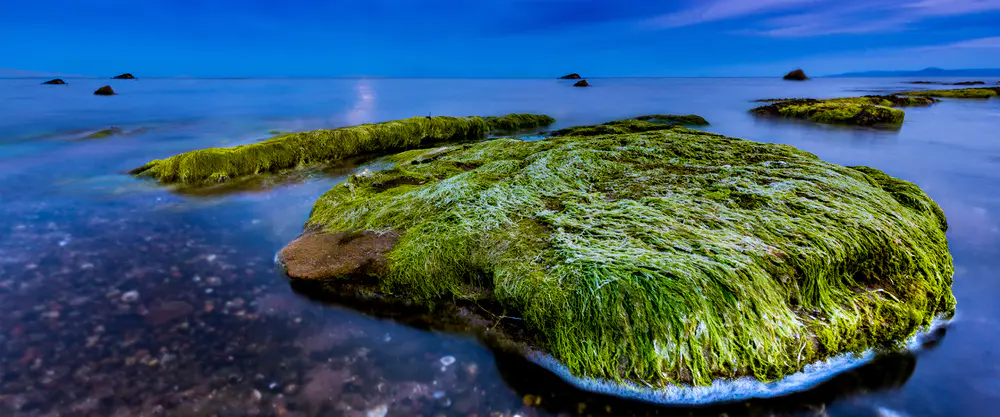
{"points": [[581, 83], [56, 81], [105, 91], [797, 75], [969, 83], [573, 76], [125, 76]]}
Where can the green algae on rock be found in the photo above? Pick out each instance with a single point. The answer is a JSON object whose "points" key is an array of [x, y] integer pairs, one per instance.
{"points": [[657, 258], [673, 119], [103, 133], [957, 93], [863, 111], [635, 125], [296, 149]]}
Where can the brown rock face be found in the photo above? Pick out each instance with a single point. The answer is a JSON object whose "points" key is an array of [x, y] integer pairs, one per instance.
{"points": [[57, 81], [581, 83], [125, 76], [327, 255], [573, 76], [104, 91], [797, 75]]}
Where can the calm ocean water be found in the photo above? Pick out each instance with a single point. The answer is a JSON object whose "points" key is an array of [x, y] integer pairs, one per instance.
{"points": [[119, 297]]}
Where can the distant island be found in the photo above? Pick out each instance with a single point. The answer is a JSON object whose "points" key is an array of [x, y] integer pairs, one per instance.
{"points": [[926, 72]]}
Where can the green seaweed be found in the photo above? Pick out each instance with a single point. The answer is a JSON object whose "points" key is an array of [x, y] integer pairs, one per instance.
{"points": [[297, 149], [864, 111], [673, 119], [663, 257], [616, 127], [635, 125], [101, 134], [956, 93], [515, 122]]}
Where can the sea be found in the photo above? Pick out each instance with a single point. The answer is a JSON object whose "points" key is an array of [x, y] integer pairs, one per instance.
{"points": [[121, 297]]}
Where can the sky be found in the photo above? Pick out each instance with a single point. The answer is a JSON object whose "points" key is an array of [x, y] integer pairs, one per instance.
{"points": [[493, 38]]}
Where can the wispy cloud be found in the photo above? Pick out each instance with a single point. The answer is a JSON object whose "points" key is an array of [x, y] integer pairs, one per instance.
{"points": [[951, 7], [984, 43], [803, 18], [722, 9]]}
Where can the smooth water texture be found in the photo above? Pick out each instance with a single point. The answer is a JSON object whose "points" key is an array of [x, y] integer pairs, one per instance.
{"points": [[121, 298]]}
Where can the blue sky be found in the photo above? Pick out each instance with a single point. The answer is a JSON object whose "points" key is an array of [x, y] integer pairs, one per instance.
{"points": [[494, 38]]}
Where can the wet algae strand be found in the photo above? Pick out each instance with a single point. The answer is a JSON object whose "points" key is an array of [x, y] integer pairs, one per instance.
{"points": [[659, 257], [296, 149]]}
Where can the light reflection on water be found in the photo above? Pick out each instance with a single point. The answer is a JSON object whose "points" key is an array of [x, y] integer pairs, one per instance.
{"points": [[229, 336]]}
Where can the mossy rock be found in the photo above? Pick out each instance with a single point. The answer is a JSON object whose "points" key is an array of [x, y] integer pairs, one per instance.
{"points": [[297, 149], [796, 75], [55, 81], [573, 76], [957, 93], [862, 111], [673, 119], [581, 83], [104, 133], [662, 257], [639, 124]]}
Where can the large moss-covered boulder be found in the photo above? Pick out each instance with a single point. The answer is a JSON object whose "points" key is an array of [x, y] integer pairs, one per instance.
{"points": [[296, 149], [863, 111], [661, 257]]}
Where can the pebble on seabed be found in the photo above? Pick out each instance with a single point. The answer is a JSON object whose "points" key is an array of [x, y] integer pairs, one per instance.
{"points": [[379, 411], [130, 297], [447, 360]]}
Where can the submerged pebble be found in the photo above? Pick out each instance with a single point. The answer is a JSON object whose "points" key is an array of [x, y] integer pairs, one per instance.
{"points": [[130, 297]]}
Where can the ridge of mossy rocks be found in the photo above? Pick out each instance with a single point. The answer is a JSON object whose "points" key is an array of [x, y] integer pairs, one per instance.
{"points": [[985, 92], [635, 125], [296, 149], [658, 258], [863, 111]]}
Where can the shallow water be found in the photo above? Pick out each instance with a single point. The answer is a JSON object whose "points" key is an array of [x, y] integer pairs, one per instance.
{"points": [[119, 297]]}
